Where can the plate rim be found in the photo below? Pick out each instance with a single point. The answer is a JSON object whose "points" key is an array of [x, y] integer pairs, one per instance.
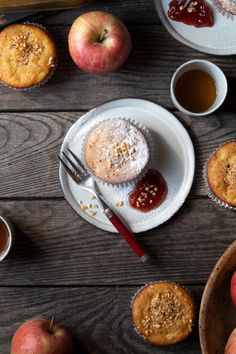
{"points": [[190, 175], [182, 39]]}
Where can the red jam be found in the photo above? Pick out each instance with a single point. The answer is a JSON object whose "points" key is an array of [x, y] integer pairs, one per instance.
{"points": [[195, 13], [149, 192]]}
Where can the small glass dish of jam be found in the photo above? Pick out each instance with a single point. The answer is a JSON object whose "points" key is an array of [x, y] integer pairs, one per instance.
{"points": [[198, 87]]}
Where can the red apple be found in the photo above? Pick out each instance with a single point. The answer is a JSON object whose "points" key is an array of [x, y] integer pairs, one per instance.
{"points": [[233, 288], [99, 42], [41, 336], [231, 343]]}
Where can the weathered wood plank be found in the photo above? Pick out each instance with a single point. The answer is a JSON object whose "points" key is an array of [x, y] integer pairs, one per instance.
{"points": [[99, 318], [146, 74], [54, 246], [129, 11], [30, 142]]}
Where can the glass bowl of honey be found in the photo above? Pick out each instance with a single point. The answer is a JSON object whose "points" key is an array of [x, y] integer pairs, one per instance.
{"points": [[6, 236], [198, 87]]}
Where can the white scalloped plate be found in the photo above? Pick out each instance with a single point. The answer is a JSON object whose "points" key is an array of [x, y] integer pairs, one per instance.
{"points": [[219, 39], [174, 159]]}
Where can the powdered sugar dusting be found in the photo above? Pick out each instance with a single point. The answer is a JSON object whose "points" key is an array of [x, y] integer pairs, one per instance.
{"points": [[117, 151]]}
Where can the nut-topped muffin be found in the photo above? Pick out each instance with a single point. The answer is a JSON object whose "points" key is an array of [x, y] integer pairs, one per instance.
{"points": [[221, 173], [116, 151], [27, 55], [163, 313]]}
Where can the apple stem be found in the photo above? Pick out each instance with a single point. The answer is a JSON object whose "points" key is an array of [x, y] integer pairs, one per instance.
{"points": [[103, 35], [51, 324]]}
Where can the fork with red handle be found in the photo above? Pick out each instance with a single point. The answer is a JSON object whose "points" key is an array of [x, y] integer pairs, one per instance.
{"points": [[78, 173]]}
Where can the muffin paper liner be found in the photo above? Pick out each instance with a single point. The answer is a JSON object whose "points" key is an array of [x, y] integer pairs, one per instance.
{"points": [[146, 134], [210, 193], [161, 281], [50, 74], [222, 10]]}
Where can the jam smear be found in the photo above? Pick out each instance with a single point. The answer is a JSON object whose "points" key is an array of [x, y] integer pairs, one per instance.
{"points": [[149, 192], [194, 13]]}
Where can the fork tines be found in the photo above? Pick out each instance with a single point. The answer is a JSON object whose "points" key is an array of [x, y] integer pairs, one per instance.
{"points": [[81, 166], [77, 171], [70, 172]]}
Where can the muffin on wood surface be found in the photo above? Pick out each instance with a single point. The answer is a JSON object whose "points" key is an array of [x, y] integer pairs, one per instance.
{"points": [[27, 55], [116, 151], [221, 173], [163, 313]]}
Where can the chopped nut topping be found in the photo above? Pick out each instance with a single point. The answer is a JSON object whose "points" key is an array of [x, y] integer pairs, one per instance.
{"points": [[92, 212], [191, 8], [230, 177], [51, 62], [109, 164], [119, 204], [164, 309], [123, 152], [24, 48]]}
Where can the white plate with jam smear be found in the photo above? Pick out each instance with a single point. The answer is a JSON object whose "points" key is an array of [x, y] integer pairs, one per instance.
{"points": [[174, 159], [220, 39]]}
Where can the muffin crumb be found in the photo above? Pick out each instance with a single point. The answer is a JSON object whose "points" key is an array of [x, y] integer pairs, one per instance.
{"points": [[120, 204]]}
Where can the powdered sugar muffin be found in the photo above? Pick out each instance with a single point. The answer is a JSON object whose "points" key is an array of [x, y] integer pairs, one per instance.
{"points": [[116, 151], [163, 313], [221, 173]]}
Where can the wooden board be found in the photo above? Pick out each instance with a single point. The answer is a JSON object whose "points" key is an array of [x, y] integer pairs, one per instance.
{"points": [[146, 74], [129, 11], [60, 265], [54, 246], [30, 143]]}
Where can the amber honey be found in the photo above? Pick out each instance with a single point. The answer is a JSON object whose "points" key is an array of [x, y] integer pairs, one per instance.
{"points": [[196, 91], [4, 237]]}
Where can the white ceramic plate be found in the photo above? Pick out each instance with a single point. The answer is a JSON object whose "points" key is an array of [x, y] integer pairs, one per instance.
{"points": [[219, 39], [174, 159]]}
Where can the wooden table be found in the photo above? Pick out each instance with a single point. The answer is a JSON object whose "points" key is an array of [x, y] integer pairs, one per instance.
{"points": [[61, 265]]}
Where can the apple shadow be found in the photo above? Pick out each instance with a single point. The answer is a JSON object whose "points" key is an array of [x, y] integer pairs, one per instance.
{"points": [[79, 348]]}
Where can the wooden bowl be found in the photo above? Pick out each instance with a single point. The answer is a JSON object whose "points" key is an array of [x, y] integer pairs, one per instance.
{"points": [[217, 316]]}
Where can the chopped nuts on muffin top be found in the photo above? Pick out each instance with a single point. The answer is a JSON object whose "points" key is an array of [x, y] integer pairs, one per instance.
{"points": [[27, 55], [221, 173], [163, 313]]}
